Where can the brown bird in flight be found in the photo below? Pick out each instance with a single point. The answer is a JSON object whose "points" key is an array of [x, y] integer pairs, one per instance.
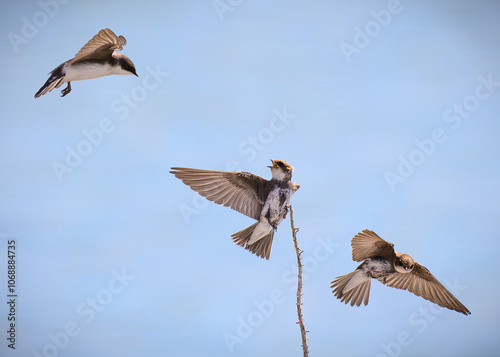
{"points": [[264, 200], [394, 269], [96, 59]]}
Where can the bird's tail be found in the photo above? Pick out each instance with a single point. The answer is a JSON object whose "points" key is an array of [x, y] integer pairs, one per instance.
{"points": [[51, 84], [55, 80], [353, 287], [260, 247]]}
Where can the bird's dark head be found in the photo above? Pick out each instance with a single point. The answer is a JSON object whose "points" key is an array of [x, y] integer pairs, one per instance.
{"points": [[127, 65], [404, 263], [281, 170]]}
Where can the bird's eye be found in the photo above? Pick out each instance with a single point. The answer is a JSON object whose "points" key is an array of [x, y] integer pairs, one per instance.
{"points": [[410, 267], [280, 164]]}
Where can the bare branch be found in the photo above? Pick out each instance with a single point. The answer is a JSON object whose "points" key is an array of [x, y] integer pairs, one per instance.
{"points": [[299, 286]]}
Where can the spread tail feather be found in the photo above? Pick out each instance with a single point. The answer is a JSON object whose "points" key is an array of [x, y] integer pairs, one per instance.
{"points": [[353, 287], [49, 86], [56, 79], [261, 248]]}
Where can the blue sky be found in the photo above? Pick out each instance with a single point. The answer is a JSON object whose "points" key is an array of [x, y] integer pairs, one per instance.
{"points": [[387, 110]]}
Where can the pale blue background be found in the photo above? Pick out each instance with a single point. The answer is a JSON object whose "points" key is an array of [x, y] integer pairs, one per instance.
{"points": [[353, 122]]}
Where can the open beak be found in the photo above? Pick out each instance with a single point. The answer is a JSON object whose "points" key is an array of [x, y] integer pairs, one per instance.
{"points": [[273, 164]]}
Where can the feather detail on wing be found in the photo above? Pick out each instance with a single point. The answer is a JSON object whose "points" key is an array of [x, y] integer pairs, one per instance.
{"points": [[368, 244], [422, 283], [100, 46], [242, 191]]}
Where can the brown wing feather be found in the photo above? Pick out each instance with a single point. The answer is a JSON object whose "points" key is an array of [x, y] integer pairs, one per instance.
{"points": [[422, 283], [100, 46], [368, 244], [242, 191]]}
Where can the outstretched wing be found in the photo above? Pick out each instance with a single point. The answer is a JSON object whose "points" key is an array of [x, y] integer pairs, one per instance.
{"points": [[368, 244], [242, 191], [101, 45], [422, 283]]}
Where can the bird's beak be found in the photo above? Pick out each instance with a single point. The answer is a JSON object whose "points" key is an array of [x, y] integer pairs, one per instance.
{"points": [[273, 164]]}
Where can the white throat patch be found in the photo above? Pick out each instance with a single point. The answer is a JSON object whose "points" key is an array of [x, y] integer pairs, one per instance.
{"points": [[278, 174]]}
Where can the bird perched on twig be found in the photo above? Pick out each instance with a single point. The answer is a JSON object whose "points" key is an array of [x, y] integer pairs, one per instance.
{"points": [[96, 59], [264, 200], [394, 269]]}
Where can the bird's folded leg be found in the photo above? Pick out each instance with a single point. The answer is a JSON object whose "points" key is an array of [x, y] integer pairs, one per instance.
{"points": [[66, 90]]}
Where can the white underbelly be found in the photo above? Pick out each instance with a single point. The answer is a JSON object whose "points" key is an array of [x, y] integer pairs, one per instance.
{"points": [[276, 204], [87, 71]]}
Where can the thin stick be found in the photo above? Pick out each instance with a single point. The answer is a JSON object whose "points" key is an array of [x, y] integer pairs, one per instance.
{"points": [[299, 286]]}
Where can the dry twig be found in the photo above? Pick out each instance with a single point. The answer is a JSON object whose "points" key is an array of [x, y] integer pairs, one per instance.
{"points": [[299, 286]]}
